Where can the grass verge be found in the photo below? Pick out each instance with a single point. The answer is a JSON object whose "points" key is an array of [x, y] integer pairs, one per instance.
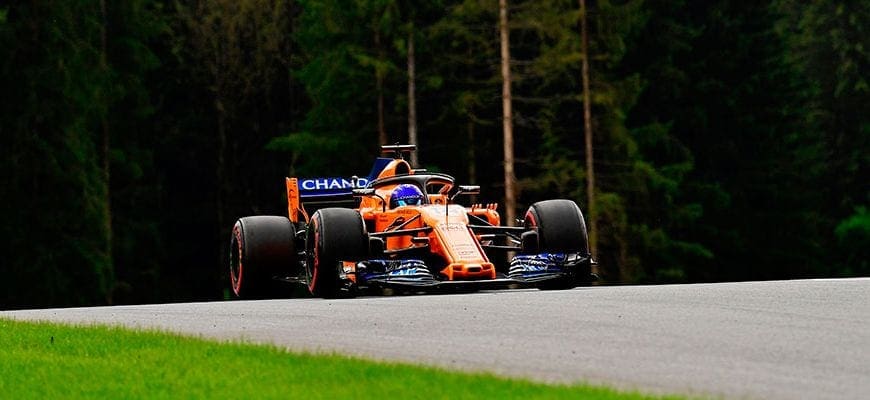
{"points": [[52, 361]]}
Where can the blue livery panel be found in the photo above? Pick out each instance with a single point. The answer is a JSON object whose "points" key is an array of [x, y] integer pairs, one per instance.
{"points": [[534, 266], [338, 187]]}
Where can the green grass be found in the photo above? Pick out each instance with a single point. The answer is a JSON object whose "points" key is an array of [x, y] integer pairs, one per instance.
{"points": [[53, 361]]}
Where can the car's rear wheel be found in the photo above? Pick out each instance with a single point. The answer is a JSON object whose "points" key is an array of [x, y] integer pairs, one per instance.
{"points": [[334, 235], [561, 228], [261, 248]]}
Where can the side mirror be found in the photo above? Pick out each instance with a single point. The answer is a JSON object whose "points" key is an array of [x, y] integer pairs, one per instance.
{"points": [[362, 192], [365, 192], [465, 189], [469, 189]]}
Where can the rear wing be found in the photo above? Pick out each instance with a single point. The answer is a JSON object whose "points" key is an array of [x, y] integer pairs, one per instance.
{"points": [[328, 191]]}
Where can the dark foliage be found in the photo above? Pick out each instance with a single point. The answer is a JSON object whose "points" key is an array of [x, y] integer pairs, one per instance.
{"points": [[732, 140]]}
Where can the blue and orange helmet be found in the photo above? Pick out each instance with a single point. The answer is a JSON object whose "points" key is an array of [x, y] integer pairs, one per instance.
{"points": [[406, 195]]}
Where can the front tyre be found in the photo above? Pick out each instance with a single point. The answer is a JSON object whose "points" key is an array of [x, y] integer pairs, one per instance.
{"points": [[334, 235], [562, 229], [261, 248]]}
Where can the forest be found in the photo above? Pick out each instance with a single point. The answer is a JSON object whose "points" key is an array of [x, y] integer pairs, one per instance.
{"points": [[730, 140]]}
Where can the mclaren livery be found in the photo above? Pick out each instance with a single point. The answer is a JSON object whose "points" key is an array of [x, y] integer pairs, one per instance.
{"points": [[401, 229]]}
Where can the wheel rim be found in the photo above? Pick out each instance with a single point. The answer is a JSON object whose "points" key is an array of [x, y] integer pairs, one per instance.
{"points": [[311, 256], [236, 269]]}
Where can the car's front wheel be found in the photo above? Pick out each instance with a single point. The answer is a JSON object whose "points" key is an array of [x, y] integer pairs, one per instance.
{"points": [[334, 235], [561, 228]]}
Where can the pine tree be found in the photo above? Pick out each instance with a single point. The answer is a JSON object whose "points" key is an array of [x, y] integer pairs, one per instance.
{"points": [[53, 184], [720, 79], [828, 43]]}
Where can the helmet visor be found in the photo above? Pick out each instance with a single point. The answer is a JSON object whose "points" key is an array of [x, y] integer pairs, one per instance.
{"points": [[409, 201]]}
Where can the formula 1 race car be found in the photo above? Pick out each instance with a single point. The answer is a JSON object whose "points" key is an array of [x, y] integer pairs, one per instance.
{"points": [[398, 229]]}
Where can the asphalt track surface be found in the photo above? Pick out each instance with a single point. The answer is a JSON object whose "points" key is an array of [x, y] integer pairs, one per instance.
{"points": [[806, 339]]}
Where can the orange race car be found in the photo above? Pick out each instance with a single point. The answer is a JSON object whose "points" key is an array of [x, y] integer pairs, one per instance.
{"points": [[399, 229]]}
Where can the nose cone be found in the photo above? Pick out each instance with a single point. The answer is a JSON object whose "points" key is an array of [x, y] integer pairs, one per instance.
{"points": [[469, 272]]}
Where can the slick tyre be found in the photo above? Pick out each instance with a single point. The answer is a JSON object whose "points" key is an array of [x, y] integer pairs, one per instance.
{"points": [[261, 248], [561, 229], [334, 235], [560, 224]]}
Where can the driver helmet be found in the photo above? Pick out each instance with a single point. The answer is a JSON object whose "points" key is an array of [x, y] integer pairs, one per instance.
{"points": [[406, 195]]}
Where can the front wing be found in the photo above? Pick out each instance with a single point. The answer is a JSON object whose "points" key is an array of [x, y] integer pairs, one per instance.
{"points": [[525, 271]]}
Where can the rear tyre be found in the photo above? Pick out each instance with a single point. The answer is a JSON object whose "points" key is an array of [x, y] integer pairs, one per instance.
{"points": [[561, 229], [261, 248], [334, 235]]}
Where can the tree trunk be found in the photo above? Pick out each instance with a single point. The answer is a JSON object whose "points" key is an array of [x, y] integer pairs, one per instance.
{"points": [[379, 88], [106, 143], [587, 133], [412, 101], [509, 177], [220, 172], [472, 156]]}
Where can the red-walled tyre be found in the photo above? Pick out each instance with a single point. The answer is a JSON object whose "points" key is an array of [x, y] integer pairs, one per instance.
{"points": [[561, 229], [333, 235], [261, 248]]}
